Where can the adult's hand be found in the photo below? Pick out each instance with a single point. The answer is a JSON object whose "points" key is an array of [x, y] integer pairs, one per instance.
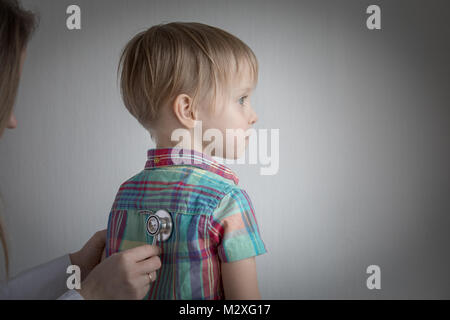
{"points": [[123, 275], [91, 253]]}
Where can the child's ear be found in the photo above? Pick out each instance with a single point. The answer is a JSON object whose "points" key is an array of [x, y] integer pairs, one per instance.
{"points": [[183, 110]]}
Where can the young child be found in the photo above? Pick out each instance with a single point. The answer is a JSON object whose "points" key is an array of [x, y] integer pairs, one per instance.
{"points": [[175, 76]]}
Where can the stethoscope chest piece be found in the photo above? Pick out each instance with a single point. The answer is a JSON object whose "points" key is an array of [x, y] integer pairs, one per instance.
{"points": [[159, 224]]}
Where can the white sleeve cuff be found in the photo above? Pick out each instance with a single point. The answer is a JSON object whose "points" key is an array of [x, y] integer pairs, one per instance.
{"points": [[46, 281], [71, 295]]}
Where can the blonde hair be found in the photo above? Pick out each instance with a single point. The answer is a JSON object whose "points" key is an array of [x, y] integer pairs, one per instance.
{"points": [[16, 27], [180, 57]]}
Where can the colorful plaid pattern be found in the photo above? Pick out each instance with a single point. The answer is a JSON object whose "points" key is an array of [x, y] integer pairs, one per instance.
{"points": [[213, 219]]}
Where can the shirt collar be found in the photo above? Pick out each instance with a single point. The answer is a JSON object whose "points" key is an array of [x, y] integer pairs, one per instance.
{"points": [[176, 156]]}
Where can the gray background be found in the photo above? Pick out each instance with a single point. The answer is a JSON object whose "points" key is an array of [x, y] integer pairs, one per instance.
{"points": [[364, 139]]}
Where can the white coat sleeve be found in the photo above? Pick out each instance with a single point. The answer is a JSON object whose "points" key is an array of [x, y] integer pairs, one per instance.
{"points": [[46, 281]]}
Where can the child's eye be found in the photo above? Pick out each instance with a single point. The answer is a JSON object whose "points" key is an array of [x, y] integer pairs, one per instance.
{"points": [[241, 99]]}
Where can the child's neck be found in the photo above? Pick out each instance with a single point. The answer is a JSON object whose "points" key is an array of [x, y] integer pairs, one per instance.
{"points": [[190, 146]]}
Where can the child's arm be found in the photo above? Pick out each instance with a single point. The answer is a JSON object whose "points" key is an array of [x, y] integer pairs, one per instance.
{"points": [[235, 232], [240, 281]]}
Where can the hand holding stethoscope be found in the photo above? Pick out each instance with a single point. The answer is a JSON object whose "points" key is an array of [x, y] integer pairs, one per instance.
{"points": [[159, 225]]}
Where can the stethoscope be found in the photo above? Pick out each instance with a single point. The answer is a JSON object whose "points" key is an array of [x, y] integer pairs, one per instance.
{"points": [[159, 225]]}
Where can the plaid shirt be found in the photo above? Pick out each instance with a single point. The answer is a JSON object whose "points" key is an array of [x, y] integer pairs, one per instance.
{"points": [[213, 221]]}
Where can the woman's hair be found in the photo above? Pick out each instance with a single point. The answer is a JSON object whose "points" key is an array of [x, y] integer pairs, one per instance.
{"points": [[180, 57], [16, 27]]}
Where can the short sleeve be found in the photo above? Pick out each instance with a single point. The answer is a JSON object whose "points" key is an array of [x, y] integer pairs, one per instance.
{"points": [[234, 228]]}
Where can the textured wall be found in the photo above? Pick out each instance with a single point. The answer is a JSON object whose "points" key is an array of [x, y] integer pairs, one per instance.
{"points": [[364, 139]]}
